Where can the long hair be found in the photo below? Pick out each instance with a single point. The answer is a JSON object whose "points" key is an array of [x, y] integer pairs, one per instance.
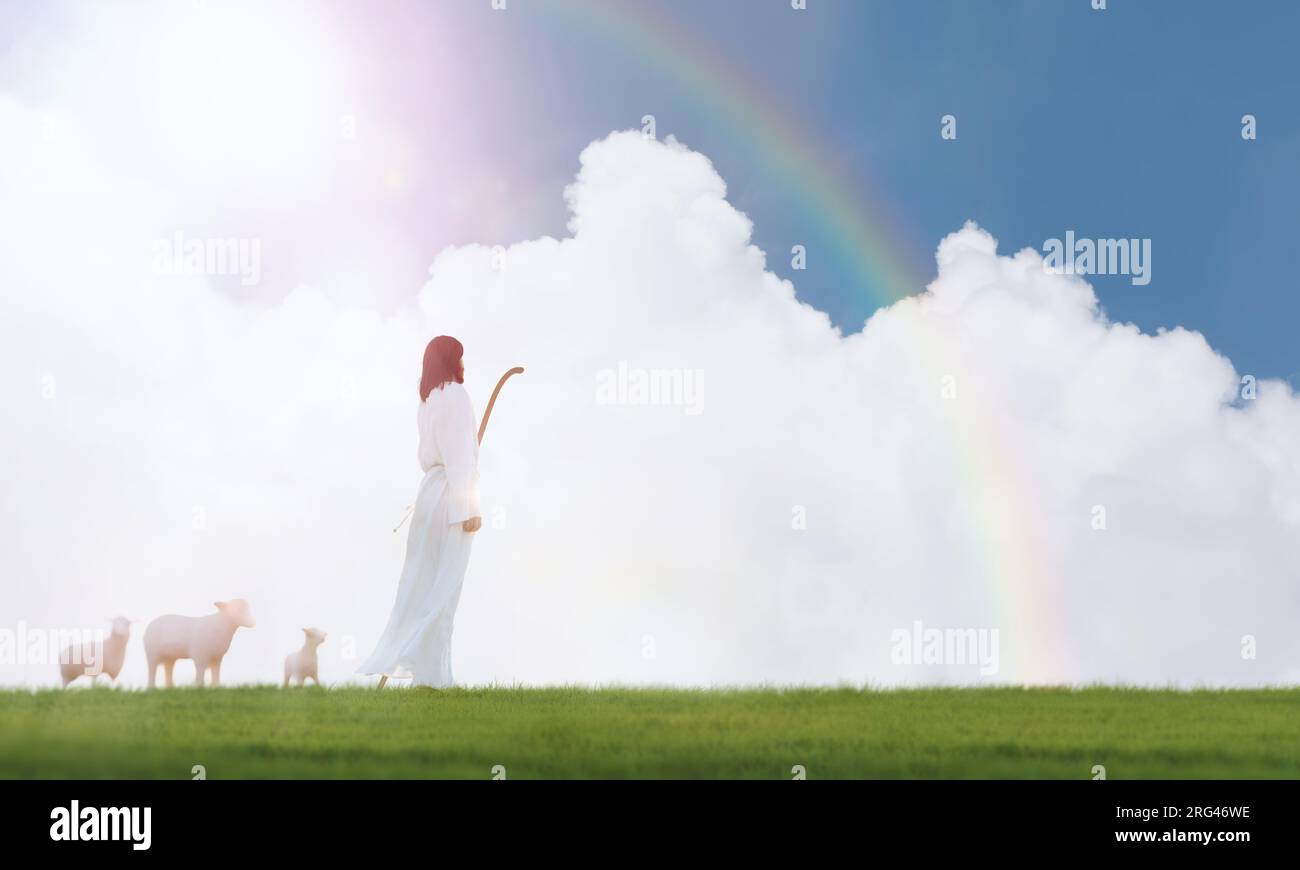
{"points": [[442, 363]]}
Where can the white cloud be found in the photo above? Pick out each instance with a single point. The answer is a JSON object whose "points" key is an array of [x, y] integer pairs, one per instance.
{"points": [[288, 433]]}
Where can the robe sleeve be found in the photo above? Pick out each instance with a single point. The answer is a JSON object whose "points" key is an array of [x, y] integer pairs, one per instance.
{"points": [[457, 435]]}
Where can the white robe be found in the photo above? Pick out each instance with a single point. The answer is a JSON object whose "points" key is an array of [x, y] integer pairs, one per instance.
{"points": [[417, 640]]}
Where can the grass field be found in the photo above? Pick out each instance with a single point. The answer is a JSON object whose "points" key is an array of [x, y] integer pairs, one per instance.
{"points": [[265, 732]]}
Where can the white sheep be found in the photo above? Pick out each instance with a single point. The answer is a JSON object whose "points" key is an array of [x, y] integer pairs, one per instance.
{"points": [[97, 657], [203, 639], [301, 664]]}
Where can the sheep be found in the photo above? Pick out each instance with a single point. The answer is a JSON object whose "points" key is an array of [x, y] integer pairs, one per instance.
{"points": [[301, 664], [98, 657], [203, 639]]}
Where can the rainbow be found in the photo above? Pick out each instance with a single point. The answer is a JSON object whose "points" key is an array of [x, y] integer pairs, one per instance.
{"points": [[867, 240], [1003, 541]]}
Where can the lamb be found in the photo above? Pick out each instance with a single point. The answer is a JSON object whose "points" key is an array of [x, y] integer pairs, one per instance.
{"points": [[302, 664], [95, 658], [203, 639]]}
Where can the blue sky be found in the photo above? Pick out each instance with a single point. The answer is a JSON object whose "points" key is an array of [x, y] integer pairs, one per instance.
{"points": [[1124, 122]]}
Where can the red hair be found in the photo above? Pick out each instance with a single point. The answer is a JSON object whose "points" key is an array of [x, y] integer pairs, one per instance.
{"points": [[442, 363]]}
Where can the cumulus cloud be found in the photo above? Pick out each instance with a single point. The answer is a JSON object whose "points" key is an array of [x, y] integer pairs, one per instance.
{"points": [[168, 446]]}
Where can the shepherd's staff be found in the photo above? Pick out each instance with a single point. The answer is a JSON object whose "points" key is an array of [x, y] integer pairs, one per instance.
{"points": [[482, 427]]}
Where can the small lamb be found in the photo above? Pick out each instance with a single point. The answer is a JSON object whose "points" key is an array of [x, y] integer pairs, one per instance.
{"points": [[302, 664], [204, 639], [84, 658]]}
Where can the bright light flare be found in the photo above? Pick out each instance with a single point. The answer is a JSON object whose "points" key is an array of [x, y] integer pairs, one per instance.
{"points": [[254, 94]]}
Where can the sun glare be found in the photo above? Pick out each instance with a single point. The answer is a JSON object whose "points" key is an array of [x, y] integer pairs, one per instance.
{"points": [[254, 96]]}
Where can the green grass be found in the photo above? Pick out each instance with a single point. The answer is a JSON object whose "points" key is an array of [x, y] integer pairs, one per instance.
{"points": [[265, 732]]}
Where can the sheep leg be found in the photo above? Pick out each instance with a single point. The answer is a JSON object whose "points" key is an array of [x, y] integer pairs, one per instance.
{"points": [[216, 672], [382, 680], [167, 672]]}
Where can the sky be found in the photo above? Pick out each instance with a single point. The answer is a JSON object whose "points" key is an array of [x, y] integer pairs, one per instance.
{"points": [[1122, 122], [418, 168]]}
